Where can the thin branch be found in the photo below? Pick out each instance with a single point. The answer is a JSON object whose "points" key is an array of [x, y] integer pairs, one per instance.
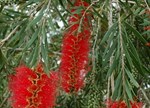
{"points": [[110, 23], [81, 20], [5, 99], [110, 14], [49, 3], [132, 2], [108, 91], [147, 5], [9, 35], [15, 49], [31, 13], [145, 96], [110, 63], [122, 49]]}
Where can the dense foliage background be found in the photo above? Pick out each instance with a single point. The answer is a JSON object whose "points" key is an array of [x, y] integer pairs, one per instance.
{"points": [[31, 30]]}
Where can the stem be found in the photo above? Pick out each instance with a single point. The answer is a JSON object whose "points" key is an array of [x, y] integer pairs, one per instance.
{"points": [[147, 4], [111, 78], [122, 49], [145, 96], [94, 48], [9, 35], [108, 91], [81, 20], [110, 23], [5, 99]]}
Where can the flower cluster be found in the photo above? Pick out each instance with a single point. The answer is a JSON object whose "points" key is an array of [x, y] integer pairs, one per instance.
{"points": [[75, 49], [33, 88], [122, 104]]}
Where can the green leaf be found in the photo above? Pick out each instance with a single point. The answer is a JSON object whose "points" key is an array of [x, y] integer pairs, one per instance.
{"points": [[106, 56], [128, 89], [32, 40], [132, 78], [62, 18], [136, 33], [134, 51], [129, 59], [12, 41], [35, 55], [51, 24], [96, 13], [112, 67], [111, 31], [137, 64], [61, 3], [117, 86], [2, 59], [44, 51], [35, 21]]}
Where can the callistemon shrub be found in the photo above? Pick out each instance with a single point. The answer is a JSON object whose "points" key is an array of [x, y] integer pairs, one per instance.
{"points": [[75, 49], [33, 88]]}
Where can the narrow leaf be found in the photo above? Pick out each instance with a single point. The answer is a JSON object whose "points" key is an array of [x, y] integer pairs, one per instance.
{"points": [[132, 78]]}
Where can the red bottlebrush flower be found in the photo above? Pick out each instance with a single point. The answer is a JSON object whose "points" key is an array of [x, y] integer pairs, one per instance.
{"points": [[147, 28], [74, 61], [81, 3], [33, 89], [115, 105], [136, 104], [18, 84], [122, 104], [148, 44], [75, 49], [109, 103], [147, 11]]}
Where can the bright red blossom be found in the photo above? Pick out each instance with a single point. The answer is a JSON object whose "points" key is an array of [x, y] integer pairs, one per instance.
{"points": [[147, 11], [147, 28], [75, 49], [33, 89], [136, 104], [74, 61], [148, 44], [122, 104]]}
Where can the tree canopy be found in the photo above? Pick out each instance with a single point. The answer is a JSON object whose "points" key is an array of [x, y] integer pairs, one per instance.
{"points": [[32, 31]]}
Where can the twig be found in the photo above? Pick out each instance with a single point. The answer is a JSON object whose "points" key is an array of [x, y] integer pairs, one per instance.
{"points": [[34, 9], [110, 23], [111, 78], [15, 49], [5, 99], [145, 96], [132, 2], [48, 6], [147, 5], [122, 49], [10, 34], [85, 13], [108, 91]]}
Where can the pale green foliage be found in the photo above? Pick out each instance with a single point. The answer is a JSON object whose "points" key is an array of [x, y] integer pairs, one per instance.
{"points": [[31, 30]]}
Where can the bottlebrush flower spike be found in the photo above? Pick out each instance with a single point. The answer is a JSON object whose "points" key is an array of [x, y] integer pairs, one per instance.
{"points": [[122, 104], [147, 28], [136, 104], [148, 44], [147, 11], [33, 89], [75, 49]]}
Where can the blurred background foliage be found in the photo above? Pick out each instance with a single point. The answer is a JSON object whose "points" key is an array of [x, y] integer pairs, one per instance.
{"points": [[32, 30]]}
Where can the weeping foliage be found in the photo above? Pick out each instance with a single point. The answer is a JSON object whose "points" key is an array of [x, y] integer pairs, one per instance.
{"points": [[115, 47]]}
